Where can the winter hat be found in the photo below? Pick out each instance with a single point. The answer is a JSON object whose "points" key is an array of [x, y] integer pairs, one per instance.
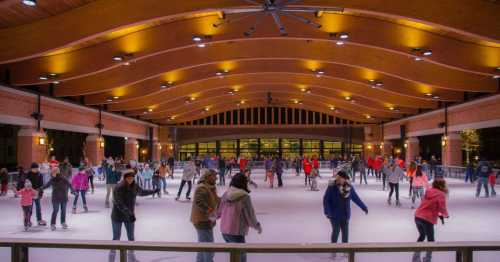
{"points": [[34, 165], [240, 181], [128, 173], [205, 175], [343, 174]]}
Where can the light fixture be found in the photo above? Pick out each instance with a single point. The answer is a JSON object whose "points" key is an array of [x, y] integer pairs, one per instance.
{"points": [[406, 144], [192, 98], [197, 38], [51, 149], [56, 82], [118, 58], [150, 109], [207, 109], [340, 43], [29, 2], [391, 108], [126, 63], [368, 116], [242, 102], [398, 151], [497, 73], [343, 35], [427, 53], [109, 99], [428, 94], [332, 108], [374, 83], [137, 146], [230, 92], [420, 52], [201, 45], [126, 138], [418, 58], [348, 98], [166, 85], [444, 141], [340, 37], [369, 146], [435, 97], [41, 140], [101, 143], [43, 77]]}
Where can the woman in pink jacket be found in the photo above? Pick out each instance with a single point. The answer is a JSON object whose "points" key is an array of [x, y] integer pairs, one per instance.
{"points": [[433, 206], [419, 183], [236, 212], [80, 184]]}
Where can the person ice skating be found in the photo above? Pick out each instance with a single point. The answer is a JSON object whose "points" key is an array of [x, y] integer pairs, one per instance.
{"points": [[222, 171], [278, 167], [90, 176], [188, 174], [492, 180], [237, 213], [394, 174], [36, 179], [307, 171], [112, 178], [248, 174], [156, 180], [469, 173], [482, 173], [337, 205], [268, 168], [433, 206], [60, 187], [80, 184], [27, 195], [314, 179], [4, 181], [147, 175], [410, 173], [362, 172], [66, 169], [420, 182], [164, 171], [203, 212], [123, 213]]}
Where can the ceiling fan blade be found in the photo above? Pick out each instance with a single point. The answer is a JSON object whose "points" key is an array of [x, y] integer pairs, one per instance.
{"points": [[290, 2], [277, 21], [242, 10], [227, 20], [301, 19], [312, 9], [252, 2]]}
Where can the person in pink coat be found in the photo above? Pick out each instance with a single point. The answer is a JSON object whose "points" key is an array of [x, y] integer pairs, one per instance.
{"points": [[27, 195], [80, 184], [420, 182], [432, 207]]}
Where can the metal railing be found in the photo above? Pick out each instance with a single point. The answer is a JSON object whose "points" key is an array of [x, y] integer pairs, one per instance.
{"points": [[463, 250]]}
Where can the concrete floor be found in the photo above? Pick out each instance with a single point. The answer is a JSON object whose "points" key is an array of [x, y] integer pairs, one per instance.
{"points": [[291, 214]]}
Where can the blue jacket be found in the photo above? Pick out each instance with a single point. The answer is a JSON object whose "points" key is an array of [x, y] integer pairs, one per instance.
{"points": [[112, 176], [338, 208], [483, 169]]}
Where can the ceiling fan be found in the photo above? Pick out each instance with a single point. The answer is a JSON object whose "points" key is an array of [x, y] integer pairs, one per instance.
{"points": [[275, 8]]}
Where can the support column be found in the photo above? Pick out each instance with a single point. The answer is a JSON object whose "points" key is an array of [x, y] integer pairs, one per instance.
{"points": [[156, 151], [131, 149], [452, 150], [412, 149], [94, 149], [31, 147], [387, 148]]}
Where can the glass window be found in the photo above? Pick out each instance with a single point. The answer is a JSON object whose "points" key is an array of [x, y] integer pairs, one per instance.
{"points": [[248, 147], [290, 148], [311, 148], [331, 148], [228, 148], [187, 150], [269, 146], [207, 148]]}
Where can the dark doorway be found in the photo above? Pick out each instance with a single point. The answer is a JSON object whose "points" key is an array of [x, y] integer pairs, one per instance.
{"points": [[8, 146], [114, 146], [66, 144], [430, 145]]}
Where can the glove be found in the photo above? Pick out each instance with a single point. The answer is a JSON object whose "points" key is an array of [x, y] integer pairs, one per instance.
{"points": [[366, 212], [259, 228], [442, 219], [132, 218]]}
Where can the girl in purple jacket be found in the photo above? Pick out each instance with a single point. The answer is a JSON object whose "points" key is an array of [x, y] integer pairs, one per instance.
{"points": [[80, 184]]}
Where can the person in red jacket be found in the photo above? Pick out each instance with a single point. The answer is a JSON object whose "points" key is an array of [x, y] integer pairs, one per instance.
{"points": [[315, 165], [370, 166], [243, 164], [377, 165], [307, 170], [432, 207]]}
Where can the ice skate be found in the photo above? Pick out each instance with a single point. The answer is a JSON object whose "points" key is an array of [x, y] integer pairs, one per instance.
{"points": [[42, 223], [85, 209], [106, 204], [389, 201], [73, 211], [64, 226], [53, 227], [398, 204]]}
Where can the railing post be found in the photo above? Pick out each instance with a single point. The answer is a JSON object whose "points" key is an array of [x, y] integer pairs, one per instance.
{"points": [[351, 256], [14, 253], [123, 255], [19, 253], [464, 255], [235, 256]]}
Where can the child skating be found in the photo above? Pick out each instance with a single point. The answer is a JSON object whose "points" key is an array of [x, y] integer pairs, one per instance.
{"points": [[80, 183], [27, 195]]}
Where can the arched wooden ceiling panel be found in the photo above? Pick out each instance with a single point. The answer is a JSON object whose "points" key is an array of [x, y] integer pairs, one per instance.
{"points": [[58, 31], [160, 39], [284, 96], [349, 79], [373, 59]]}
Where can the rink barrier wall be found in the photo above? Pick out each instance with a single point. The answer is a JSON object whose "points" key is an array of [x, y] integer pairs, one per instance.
{"points": [[463, 250]]}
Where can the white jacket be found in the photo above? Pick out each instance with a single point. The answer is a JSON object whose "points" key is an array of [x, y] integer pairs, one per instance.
{"points": [[189, 171]]}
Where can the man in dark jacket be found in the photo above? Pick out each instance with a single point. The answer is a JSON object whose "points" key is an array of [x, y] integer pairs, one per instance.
{"points": [[484, 169], [36, 179], [113, 175], [337, 205], [60, 187], [123, 212]]}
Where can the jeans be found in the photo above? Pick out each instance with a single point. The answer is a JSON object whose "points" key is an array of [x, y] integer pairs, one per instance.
{"points": [[27, 210], [482, 181], [156, 185], [55, 209], [384, 178], [164, 183], [337, 227], [84, 200], [394, 187], [425, 230], [411, 186], [280, 180], [205, 236], [109, 190], [493, 192], [417, 192], [183, 182], [362, 176], [38, 209], [117, 230], [236, 239], [222, 176], [91, 182], [147, 183]]}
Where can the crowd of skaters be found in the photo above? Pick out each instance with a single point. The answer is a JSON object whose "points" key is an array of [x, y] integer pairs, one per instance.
{"points": [[126, 181]]}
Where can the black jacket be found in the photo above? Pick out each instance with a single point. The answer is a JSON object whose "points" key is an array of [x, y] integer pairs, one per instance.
{"points": [[36, 179], [124, 201], [60, 187]]}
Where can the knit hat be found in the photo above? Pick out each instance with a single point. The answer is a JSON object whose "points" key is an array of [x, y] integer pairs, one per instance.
{"points": [[34, 165], [128, 173], [343, 174], [205, 175]]}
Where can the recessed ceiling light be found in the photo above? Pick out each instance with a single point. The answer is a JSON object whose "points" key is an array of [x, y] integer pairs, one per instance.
{"points": [[43, 77], [435, 97], [343, 35], [496, 76], [428, 94], [197, 38], [391, 108], [332, 108], [56, 82], [118, 58], [109, 99], [427, 53], [418, 58], [126, 63], [29, 2], [201, 45], [116, 97], [347, 98], [192, 98], [339, 42], [150, 109], [52, 74], [368, 116], [242, 102]]}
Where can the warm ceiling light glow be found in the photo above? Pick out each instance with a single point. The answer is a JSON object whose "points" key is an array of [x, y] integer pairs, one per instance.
{"points": [[497, 72], [427, 53], [29, 2], [118, 58], [428, 94], [207, 108], [192, 98], [242, 102], [41, 141], [435, 97], [332, 108], [150, 109], [56, 82], [368, 116], [43, 77], [391, 108], [197, 38], [339, 42], [348, 98], [167, 84], [201, 45], [343, 35], [126, 63], [116, 97], [418, 58]]}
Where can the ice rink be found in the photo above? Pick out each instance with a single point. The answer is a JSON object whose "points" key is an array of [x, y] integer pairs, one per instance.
{"points": [[291, 214]]}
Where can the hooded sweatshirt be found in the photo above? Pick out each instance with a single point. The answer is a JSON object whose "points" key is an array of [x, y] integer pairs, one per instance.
{"points": [[236, 213], [433, 205], [80, 181]]}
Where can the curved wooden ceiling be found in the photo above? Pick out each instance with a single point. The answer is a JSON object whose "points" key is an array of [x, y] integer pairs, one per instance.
{"points": [[156, 38]]}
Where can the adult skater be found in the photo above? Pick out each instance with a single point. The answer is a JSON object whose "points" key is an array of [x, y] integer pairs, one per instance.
{"points": [[112, 178], [188, 175], [482, 173], [237, 213], [80, 184], [433, 206], [66, 169], [204, 213], [36, 179], [279, 170], [124, 196], [337, 205], [394, 174], [60, 187], [307, 171], [222, 171]]}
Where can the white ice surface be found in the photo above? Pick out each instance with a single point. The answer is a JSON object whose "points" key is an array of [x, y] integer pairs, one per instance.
{"points": [[291, 214]]}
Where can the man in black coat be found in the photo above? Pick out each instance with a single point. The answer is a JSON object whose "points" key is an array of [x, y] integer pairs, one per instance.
{"points": [[36, 179], [123, 212]]}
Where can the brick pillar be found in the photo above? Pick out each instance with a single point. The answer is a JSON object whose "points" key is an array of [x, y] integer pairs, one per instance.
{"points": [[156, 151], [412, 149], [452, 151], [131, 149], [387, 148], [94, 149], [30, 148]]}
